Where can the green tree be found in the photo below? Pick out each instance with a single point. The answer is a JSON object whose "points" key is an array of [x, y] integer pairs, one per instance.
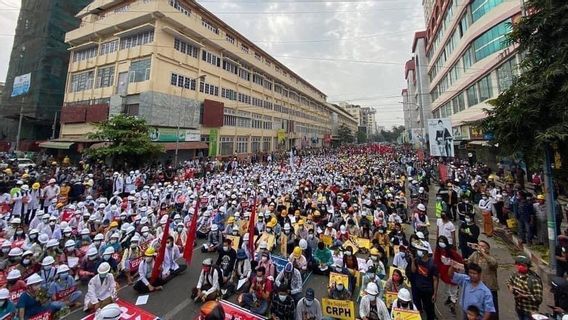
{"points": [[392, 135], [532, 115], [129, 141], [345, 135], [362, 136]]}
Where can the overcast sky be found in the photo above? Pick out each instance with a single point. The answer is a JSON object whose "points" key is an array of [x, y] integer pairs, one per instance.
{"points": [[352, 50]]}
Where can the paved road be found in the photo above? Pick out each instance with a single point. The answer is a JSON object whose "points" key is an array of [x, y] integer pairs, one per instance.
{"points": [[174, 301]]}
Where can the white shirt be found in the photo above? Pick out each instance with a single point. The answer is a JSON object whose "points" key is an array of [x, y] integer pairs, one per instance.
{"points": [[365, 307], [170, 257], [446, 229], [100, 290]]}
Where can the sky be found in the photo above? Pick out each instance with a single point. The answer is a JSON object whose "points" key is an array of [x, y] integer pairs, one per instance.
{"points": [[352, 50]]}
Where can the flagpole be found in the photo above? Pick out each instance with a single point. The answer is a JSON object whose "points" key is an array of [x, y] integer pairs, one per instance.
{"points": [[191, 231]]}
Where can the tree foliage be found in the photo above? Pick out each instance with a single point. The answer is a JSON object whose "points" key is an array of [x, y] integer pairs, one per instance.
{"points": [[345, 135], [129, 141], [533, 113], [393, 134]]}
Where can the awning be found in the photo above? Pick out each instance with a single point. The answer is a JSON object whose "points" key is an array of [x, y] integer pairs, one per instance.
{"points": [[191, 145], [56, 145]]}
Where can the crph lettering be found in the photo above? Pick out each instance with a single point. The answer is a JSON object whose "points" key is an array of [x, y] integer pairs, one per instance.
{"points": [[336, 311]]}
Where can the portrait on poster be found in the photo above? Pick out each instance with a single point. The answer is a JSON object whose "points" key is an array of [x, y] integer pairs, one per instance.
{"points": [[441, 138]]}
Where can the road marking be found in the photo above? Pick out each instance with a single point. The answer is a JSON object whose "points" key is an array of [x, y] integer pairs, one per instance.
{"points": [[184, 304]]}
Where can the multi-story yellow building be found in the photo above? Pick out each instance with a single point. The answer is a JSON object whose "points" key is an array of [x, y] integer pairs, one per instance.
{"points": [[196, 80]]}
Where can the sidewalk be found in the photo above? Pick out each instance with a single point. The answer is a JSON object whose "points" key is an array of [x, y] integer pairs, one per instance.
{"points": [[504, 252]]}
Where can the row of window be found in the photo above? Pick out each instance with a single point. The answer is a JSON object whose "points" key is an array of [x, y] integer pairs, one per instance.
{"points": [[208, 88], [139, 71], [186, 48], [480, 91], [180, 7], [493, 40], [114, 45], [182, 81]]}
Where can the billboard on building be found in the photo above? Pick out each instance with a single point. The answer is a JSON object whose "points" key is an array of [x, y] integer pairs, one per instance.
{"points": [[441, 138], [21, 85]]}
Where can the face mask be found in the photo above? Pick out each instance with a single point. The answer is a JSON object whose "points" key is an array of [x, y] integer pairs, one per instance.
{"points": [[148, 259], [442, 245], [311, 236], [33, 236], [20, 232], [46, 221], [97, 243], [225, 248], [145, 234], [264, 259], [339, 287], [170, 245], [308, 302], [47, 268], [420, 254], [521, 268], [258, 279], [67, 234], [26, 261], [63, 275], [282, 297], [268, 229], [179, 229], [5, 250], [106, 257], [113, 241], [348, 253], [52, 223], [92, 258], [374, 258], [103, 276], [133, 245]]}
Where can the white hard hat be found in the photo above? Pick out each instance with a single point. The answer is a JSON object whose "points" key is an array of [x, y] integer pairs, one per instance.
{"points": [[6, 243], [109, 250], [99, 236], [52, 243], [33, 279], [421, 207], [420, 235], [62, 268], [145, 229], [47, 261], [103, 268], [246, 236], [14, 274], [372, 289], [109, 312], [135, 238], [92, 251], [303, 244], [67, 230], [15, 252], [214, 227], [85, 232], [404, 295], [287, 226], [69, 243]]}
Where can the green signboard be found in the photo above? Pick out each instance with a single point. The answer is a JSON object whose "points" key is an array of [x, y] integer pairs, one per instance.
{"points": [[213, 137], [158, 134]]}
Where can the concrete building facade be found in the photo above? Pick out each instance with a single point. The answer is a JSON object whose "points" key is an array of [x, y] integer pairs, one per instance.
{"points": [[191, 76]]}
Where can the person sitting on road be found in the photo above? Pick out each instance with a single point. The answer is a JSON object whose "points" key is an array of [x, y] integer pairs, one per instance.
{"points": [[7, 307], [89, 265], [64, 288], [396, 282], [298, 260], [101, 289], [323, 259], [214, 240], [282, 306], [209, 283], [372, 306], [308, 308], [145, 283], [33, 301], [403, 301], [170, 267], [258, 297], [290, 278], [241, 275]]}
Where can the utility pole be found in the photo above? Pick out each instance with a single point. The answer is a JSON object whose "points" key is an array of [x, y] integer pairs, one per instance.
{"points": [[18, 135], [54, 126]]}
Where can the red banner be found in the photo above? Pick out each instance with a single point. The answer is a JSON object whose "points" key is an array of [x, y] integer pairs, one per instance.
{"points": [[134, 263], [234, 312], [42, 316], [129, 311], [15, 295], [61, 295], [443, 172], [191, 231], [251, 226]]}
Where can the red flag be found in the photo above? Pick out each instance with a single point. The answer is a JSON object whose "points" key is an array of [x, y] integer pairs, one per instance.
{"points": [[251, 228], [161, 253], [188, 250]]}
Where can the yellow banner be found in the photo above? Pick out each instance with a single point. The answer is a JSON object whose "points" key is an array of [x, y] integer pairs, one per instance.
{"points": [[406, 280], [348, 243], [335, 278], [234, 241], [389, 298], [364, 243], [400, 314], [338, 309]]}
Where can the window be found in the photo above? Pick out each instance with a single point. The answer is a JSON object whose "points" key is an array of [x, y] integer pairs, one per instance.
{"points": [[230, 38], [468, 59], [485, 88], [108, 47], [229, 94], [242, 144], [207, 88], [257, 122], [226, 144], [137, 39], [267, 84], [257, 56], [85, 54], [244, 73], [492, 40], [255, 144], [82, 81], [258, 79], [229, 66], [132, 109], [182, 81], [139, 70], [461, 101], [472, 98], [266, 144], [210, 58], [186, 48], [465, 22], [209, 26], [479, 8], [244, 48], [505, 75], [105, 77], [180, 7]]}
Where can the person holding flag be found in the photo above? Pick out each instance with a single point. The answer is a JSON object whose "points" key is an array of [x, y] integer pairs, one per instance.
{"points": [[144, 284]]}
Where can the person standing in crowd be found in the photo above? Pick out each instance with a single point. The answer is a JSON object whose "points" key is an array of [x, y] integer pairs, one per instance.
{"points": [[525, 218], [526, 287], [468, 235], [474, 291], [424, 281], [483, 258]]}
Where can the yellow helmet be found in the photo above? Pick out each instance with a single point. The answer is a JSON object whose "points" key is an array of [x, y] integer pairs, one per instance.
{"points": [[374, 252], [35, 186], [297, 252], [272, 223], [540, 197], [301, 222], [150, 252], [231, 220]]}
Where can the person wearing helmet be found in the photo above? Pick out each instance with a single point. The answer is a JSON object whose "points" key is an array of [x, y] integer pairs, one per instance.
{"points": [[170, 267], [70, 256], [7, 306], [372, 276], [298, 260], [290, 278], [287, 240], [403, 301], [421, 222], [214, 240], [146, 284], [131, 259], [375, 259], [239, 281], [48, 271], [109, 312], [209, 283], [89, 265], [64, 289], [108, 256], [101, 289], [14, 258], [258, 297], [339, 290], [15, 285], [372, 306], [33, 301]]}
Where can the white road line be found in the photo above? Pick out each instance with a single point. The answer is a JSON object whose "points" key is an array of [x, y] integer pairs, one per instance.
{"points": [[170, 315]]}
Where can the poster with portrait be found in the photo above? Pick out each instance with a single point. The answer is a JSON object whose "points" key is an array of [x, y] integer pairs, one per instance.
{"points": [[440, 137]]}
